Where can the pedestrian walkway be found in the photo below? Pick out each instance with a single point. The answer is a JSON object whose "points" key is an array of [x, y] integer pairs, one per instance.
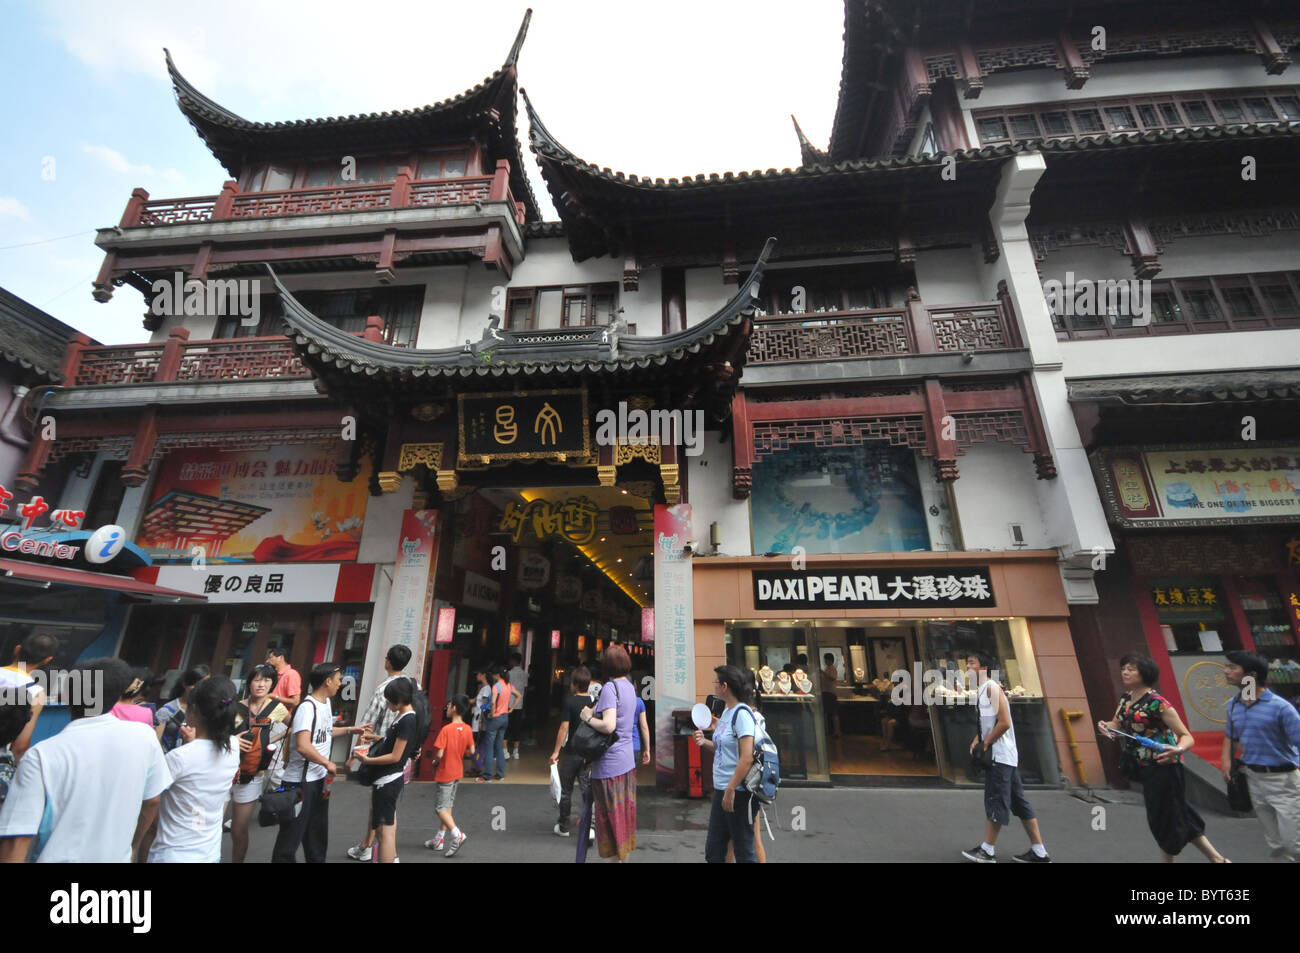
{"points": [[812, 825]]}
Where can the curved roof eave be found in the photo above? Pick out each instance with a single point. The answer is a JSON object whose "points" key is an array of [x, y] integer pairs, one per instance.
{"points": [[213, 122], [515, 354]]}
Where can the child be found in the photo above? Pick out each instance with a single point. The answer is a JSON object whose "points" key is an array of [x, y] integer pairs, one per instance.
{"points": [[454, 741], [572, 767], [399, 745]]}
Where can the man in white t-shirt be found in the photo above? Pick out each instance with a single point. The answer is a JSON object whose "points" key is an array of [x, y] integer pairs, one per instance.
{"points": [[1004, 793], [35, 651], [312, 733], [519, 681], [100, 777]]}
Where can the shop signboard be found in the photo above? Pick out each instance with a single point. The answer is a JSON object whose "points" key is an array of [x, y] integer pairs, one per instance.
{"points": [[648, 624], [524, 425], [1200, 486], [842, 587], [266, 582], [675, 627], [281, 505], [573, 519], [534, 571], [446, 632], [568, 589], [481, 592]]}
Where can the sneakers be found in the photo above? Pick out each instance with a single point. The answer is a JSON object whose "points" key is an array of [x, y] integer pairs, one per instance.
{"points": [[455, 844], [435, 843], [591, 835], [360, 853], [560, 830], [979, 855], [516, 754], [1029, 857]]}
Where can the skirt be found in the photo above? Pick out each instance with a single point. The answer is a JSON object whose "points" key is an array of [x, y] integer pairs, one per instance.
{"points": [[1172, 821], [247, 793], [615, 814]]}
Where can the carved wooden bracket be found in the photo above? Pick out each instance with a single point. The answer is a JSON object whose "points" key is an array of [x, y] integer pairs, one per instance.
{"points": [[631, 273], [390, 481]]}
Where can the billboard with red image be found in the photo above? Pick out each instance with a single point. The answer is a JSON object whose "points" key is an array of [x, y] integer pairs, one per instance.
{"points": [[280, 505]]}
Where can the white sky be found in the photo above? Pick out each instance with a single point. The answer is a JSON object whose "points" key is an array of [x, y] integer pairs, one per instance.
{"points": [[660, 89]]}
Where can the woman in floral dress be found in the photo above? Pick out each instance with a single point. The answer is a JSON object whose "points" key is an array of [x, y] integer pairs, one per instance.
{"points": [[1145, 713]]}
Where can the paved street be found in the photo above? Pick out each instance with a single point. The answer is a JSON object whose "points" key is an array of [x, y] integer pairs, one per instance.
{"points": [[876, 825]]}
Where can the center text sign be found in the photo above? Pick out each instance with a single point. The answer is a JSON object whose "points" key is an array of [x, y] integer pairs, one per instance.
{"points": [[529, 425], [967, 587]]}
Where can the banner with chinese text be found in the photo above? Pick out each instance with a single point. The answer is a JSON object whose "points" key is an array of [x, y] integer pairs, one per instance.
{"points": [[280, 505], [410, 604], [674, 629], [1201, 487]]}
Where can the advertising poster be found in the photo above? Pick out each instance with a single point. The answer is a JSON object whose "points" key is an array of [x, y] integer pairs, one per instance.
{"points": [[674, 629], [282, 505], [411, 600]]}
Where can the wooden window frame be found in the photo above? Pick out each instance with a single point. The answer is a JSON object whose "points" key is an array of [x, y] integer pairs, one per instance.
{"points": [[1179, 288], [1209, 99]]}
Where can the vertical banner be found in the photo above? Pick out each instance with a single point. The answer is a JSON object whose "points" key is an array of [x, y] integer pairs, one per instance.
{"points": [[411, 602], [675, 630]]}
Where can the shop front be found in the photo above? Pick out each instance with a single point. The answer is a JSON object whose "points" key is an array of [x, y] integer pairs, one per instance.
{"points": [[860, 660], [1212, 566]]}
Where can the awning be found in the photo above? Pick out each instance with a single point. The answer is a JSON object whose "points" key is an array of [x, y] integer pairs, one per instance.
{"points": [[1214, 387], [24, 573]]}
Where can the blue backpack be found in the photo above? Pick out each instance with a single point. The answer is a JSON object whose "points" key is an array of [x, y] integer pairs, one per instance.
{"points": [[764, 777]]}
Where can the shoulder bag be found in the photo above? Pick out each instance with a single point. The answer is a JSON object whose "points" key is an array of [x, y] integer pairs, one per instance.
{"points": [[281, 805], [1238, 789], [588, 743]]}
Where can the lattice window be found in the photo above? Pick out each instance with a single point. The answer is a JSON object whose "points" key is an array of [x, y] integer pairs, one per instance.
{"points": [[1002, 426], [940, 67], [970, 329], [901, 431], [829, 339], [1017, 57]]}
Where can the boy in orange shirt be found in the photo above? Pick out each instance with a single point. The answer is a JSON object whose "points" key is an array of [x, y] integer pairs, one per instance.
{"points": [[454, 741]]}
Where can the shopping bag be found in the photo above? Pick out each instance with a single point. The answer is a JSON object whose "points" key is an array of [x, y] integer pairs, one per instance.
{"points": [[555, 783]]}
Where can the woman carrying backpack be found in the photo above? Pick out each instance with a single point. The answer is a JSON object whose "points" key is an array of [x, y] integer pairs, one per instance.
{"points": [[260, 722], [730, 820]]}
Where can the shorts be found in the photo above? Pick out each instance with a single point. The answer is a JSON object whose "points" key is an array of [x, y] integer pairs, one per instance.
{"points": [[383, 803], [1004, 795], [446, 795], [515, 726], [247, 793]]}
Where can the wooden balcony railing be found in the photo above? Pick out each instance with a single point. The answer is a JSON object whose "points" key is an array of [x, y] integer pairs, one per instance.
{"points": [[886, 332], [179, 359], [405, 192]]}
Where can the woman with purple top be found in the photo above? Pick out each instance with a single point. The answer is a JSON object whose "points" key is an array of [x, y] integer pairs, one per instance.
{"points": [[613, 776]]}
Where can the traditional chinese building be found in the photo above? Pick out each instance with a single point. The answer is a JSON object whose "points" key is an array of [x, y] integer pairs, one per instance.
{"points": [[383, 413]]}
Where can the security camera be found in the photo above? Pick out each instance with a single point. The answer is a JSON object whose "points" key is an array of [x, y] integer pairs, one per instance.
{"points": [[689, 548]]}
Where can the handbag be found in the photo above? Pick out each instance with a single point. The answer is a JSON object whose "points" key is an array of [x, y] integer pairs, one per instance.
{"points": [[281, 805], [1129, 765], [589, 744], [1238, 788]]}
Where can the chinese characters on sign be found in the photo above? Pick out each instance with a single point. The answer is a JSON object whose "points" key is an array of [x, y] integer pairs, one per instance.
{"points": [[1203, 487], [674, 625], [540, 425], [230, 582], [965, 588], [36, 507], [573, 519]]}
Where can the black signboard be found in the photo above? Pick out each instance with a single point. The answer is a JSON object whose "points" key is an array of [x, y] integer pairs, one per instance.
{"points": [[528, 425], [963, 587]]}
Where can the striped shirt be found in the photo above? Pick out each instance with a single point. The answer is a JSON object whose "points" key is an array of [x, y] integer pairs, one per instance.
{"points": [[1268, 730]]}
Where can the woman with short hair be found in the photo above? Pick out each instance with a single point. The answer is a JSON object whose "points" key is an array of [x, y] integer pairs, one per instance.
{"points": [[1145, 713], [613, 775]]}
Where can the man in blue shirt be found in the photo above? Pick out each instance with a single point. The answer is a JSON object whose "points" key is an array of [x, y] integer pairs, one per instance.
{"points": [[1265, 728]]}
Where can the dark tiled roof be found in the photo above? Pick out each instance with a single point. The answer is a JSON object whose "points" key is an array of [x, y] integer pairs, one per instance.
{"points": [[30, 339], [810, 154], [504, 354], [1223, 386], [233, 139]]}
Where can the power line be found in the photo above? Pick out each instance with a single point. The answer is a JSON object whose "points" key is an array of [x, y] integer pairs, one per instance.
{"points": [[46, 241]]}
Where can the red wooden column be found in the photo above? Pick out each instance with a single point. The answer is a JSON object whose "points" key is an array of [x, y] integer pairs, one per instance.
{"points": [[134, 207], [742, 448], [400, 197], [374, 329], [1044, 465], [136, 470], [225, 204], [942, 447], [500, 181]]}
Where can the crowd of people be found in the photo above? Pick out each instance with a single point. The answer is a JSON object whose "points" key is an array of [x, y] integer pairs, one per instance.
{"points": [[137, 784]]}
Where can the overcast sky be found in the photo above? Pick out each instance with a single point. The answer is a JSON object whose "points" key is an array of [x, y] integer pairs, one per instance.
{"points": [[669, 88]]}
